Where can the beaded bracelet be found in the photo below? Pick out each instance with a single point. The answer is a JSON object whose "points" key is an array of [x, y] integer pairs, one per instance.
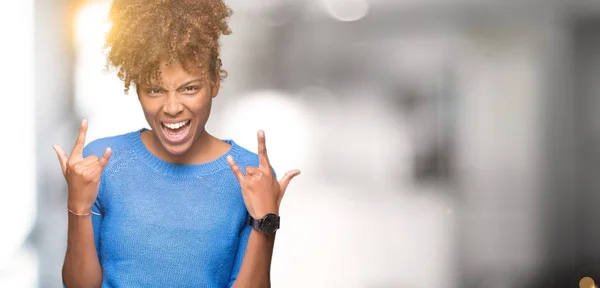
{"points": [[86, 214]]}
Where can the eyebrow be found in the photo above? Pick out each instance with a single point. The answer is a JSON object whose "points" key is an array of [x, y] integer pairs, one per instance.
{"points": [[188, 83], [184, 84]]}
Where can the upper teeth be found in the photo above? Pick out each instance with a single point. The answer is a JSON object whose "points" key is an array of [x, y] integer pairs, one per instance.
{"points": [[175, 125]]}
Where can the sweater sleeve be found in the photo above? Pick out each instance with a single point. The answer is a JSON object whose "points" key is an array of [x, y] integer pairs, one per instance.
{"points": [[97, 226], [241, 250]]}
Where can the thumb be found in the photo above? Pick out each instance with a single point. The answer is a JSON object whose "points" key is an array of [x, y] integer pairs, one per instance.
{"points": [[62, 157], [285, 180]]}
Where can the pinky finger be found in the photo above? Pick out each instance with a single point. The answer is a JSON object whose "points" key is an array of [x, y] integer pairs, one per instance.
{"points": [[62, 157], [285, 180], [235, 169], [104, 160]]}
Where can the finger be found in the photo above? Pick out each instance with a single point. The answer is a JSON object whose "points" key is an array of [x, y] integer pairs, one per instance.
{"points": [[88, 161], [80, 142], [252, 171], [285, 180], [62, 157], [105, 157], [93, 169], [262, 151], [235, 169]]}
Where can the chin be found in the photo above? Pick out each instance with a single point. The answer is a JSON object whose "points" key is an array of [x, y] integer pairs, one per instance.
{"points": [[176, 150]]}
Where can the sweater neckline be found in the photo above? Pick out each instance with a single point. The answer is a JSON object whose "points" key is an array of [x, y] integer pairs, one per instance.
{"points": [[181, 170]]}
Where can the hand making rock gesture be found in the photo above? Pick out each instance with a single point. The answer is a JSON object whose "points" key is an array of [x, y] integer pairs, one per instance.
{"points": [[82, 174], [262, 193]]}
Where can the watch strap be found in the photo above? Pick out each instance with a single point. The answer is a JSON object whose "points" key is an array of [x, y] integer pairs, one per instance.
{"points": [[255, 223]]}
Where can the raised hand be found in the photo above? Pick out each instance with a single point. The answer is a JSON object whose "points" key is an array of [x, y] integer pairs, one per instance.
{"points": [[261, 192], [82, 174]]}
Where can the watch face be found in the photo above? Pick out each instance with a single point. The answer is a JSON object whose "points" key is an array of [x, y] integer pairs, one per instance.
{"points": [[270, 223]]}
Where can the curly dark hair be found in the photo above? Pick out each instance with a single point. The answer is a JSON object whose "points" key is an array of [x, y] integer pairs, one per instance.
{"points": [[146, 32]]}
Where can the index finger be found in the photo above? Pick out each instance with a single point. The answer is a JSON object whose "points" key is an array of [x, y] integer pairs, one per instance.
{"points": [[263, 158], [80, 142]]}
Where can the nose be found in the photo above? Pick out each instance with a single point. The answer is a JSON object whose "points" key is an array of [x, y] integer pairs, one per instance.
{"points": [[172, 107]]}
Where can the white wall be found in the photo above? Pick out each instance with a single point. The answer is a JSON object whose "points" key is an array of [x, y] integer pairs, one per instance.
{"points": [[17, 168]]}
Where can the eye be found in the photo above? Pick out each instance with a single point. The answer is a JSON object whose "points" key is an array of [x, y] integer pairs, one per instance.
{"points": [[153, 91], [191, 89]]}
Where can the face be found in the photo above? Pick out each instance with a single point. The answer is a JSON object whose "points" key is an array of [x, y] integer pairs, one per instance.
{"points": [[177, 108]]}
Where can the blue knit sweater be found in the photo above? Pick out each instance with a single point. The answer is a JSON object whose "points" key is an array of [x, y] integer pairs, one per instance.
{"points": [[168, 225]]}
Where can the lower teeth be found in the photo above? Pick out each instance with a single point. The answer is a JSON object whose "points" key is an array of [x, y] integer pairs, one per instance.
{"points": [[174, 134]]}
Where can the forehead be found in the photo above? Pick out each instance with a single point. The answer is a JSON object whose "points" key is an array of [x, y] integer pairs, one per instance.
{"points": [[174, 74]]}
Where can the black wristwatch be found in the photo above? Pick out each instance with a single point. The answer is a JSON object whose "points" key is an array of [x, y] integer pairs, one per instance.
{"points": [[269, 224]]}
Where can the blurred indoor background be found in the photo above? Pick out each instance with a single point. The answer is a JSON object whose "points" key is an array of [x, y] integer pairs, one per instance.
{"points": [[443, 143]]}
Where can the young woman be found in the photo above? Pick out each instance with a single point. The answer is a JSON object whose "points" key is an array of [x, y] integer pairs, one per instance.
{"points": [[172, 206]]}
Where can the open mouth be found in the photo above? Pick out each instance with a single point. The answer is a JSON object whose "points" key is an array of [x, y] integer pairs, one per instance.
{"points": [[176, 132]]}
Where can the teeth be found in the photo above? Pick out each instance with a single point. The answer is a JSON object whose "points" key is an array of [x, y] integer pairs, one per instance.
{"points": [[175, 125]]}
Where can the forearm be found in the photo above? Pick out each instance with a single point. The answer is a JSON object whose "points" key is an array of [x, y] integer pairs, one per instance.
{"points": [[255, 271], [81, 267]]}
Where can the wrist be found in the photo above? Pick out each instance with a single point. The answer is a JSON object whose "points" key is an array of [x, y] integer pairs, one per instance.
{"points": [[259, 215], [262, 211], [79, 208]]}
